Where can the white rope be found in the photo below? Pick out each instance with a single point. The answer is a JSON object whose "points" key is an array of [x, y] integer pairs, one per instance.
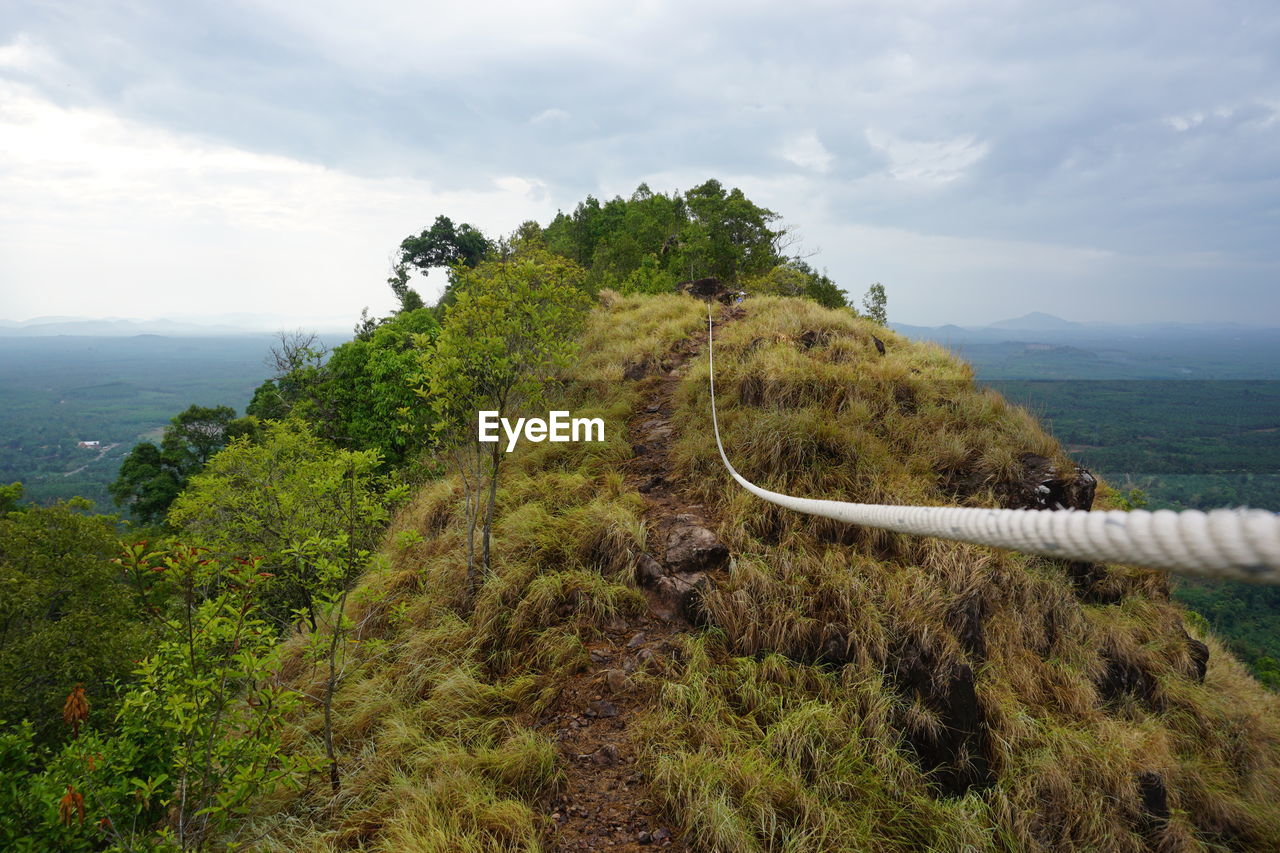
{"points": [[1235, 543]]}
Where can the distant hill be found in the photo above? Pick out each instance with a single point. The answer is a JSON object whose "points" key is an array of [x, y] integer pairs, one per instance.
{"points": [[114, 328], [219, 325], [1036, 320], [1060, 349]]}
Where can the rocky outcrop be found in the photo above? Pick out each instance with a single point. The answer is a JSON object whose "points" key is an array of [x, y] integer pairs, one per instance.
{"points": [[1038, 485], [683, 594], [693, 548], [709, 288], [1043, 486]]}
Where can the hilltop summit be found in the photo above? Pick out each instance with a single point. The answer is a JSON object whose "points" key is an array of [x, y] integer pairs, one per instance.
{"points": [[659, 659]]}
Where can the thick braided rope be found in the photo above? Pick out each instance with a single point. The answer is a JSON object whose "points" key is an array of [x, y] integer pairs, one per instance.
{"points": [[1235, 543]]}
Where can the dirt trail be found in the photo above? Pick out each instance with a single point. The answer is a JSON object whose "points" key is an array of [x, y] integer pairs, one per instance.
{"points": [[604, 803]]}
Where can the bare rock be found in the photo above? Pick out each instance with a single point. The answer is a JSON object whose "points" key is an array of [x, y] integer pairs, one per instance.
{"points": [[650, 484], [604, 708], [635, 370], [617, 681], [692, 548], [648, 570], [683, 593], [1042, 486], [636, 641], [704, 288]]}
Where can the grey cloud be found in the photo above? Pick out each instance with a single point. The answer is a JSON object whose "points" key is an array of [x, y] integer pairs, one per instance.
{"points": [[1140, 129]]}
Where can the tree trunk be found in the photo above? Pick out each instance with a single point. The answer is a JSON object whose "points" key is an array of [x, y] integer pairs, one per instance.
{"points": [[472, 487], [330, 688], [493, 492]]}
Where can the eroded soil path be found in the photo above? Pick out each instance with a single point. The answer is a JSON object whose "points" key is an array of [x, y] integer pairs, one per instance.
{"points": [[604, 804]]}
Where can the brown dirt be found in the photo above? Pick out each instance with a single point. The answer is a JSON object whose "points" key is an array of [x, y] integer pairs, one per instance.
{"points": [[604, 803]]}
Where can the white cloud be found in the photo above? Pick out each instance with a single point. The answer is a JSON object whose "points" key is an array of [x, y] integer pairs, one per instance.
{"points": [[25, 54], [807, 151], [938, 162], [551, 115], [171, 223]]}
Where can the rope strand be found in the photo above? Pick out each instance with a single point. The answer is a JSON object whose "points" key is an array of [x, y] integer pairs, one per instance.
{"points": [[1243, 544]]}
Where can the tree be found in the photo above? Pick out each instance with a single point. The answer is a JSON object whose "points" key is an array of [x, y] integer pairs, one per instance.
{"points": [[208, 694], [874, 303], [296, 361], [797, 278], [728, 235], [399, 281], [365, 401], [651, 238], [151, 477], [511, 328], [65, 616], [9, 497], [148, 483], [268, 498], [444, 245]]}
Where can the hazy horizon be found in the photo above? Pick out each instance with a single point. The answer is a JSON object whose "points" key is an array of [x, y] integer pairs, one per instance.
{"points": [[269, 324]]}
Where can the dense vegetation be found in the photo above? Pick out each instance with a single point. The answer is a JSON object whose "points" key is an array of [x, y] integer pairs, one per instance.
{"points": [[1187, 444], [348, 616], [58, 391]]}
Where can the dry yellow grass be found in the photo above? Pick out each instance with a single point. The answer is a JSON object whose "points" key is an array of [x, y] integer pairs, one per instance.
{"points": [[856, 690]]}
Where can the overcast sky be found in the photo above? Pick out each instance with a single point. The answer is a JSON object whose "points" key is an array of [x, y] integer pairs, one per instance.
{"points": [[981, 159]]}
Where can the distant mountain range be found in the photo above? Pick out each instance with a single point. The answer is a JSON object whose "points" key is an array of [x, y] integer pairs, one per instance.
{"points": [[1039, 326], [1041, 346], [1036, 325], [221, 325]]}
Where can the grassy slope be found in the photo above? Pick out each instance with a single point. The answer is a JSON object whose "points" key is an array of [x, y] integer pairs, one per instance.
{"points": [[858, 690]]}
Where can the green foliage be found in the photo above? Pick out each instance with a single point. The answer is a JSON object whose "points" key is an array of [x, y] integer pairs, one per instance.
{"points": [[1268, 670], [360, 397], [797, 278], [647, 243], [148, 483], [511, 328], [399, 281], [208, 693], [9, 497], [1133, 499], [727, 235], [874, 303], [270, 498], [198, 736], [443, 245], [365, 400], [65, 616], [115, 781], [151, 477]]}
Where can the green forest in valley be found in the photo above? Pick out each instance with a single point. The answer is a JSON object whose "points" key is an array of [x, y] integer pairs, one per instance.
{"points": [[308, 609], [1181, 444]]}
